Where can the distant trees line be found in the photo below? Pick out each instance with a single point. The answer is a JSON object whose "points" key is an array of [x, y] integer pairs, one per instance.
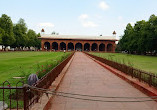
{"points": [[140, 38], [17, 35]]}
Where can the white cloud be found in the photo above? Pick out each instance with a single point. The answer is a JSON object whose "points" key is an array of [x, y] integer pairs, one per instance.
{"points": [[84, 19], [120, 18], [89, 24], [46, 24], [83, 16], [103, 5]]}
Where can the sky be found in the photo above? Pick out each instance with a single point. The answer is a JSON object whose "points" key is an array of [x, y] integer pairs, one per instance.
{"points": [[79, 17]]}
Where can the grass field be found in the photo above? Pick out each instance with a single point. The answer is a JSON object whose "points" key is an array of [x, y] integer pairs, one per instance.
{"points": [[14, 64], [146, 63]]}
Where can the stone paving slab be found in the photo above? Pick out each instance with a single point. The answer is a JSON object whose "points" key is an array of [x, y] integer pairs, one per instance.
{"points": [[85, 76]]}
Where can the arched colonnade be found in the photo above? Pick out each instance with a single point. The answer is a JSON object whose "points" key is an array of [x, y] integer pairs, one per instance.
{"points": [[78, 46]]}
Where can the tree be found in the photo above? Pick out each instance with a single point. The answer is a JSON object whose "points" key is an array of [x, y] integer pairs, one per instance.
{"points": [[153, 31], [142, 38], [124, 41], [31, 38], [1, 34], [17, 35], [8, 35], [38, 41], [20, 34], [139, 29]]}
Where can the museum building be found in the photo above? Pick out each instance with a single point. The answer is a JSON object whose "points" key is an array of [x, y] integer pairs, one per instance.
{"points": [[78, 43]]}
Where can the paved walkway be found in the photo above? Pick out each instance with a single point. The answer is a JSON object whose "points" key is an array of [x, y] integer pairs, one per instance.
{"points": [[84, 76]]}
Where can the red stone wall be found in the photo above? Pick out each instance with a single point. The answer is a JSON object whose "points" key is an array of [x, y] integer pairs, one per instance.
{"points": [[98, 42]]}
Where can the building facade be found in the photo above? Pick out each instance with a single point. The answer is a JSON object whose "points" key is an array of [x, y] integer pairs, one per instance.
{"points": [[78, 43]]}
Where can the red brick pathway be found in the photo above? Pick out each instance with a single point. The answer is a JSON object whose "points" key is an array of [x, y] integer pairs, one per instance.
{"points": [[84, 76]]}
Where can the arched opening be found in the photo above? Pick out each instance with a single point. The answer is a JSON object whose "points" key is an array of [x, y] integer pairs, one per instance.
{"points": [[70, 46], [86, 47], [47, 46], [102, 47], [62, 46], [78, 47], [54, 46], [94, 47], [109, 47]]}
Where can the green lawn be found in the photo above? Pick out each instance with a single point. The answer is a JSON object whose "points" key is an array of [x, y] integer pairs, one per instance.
{"points": [[146, 63], [14, 64]]}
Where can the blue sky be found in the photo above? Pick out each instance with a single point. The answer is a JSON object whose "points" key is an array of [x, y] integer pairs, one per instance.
{"points": [[79, 17]]}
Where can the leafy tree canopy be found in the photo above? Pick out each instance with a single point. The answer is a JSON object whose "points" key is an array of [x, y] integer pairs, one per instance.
{"points": [[140, 38], [1, 34], [20, 30], [7, 25], [31, 37]]}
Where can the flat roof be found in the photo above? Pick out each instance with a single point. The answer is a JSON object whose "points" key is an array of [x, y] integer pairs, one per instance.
{"points": [[78, 37]]}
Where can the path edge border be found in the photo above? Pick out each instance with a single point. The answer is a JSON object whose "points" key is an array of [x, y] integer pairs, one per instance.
{"points": [[57, 82], [143, 87]]}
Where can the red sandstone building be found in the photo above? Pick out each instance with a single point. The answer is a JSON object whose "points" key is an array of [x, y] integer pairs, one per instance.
{"points": [[78, 43]]}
